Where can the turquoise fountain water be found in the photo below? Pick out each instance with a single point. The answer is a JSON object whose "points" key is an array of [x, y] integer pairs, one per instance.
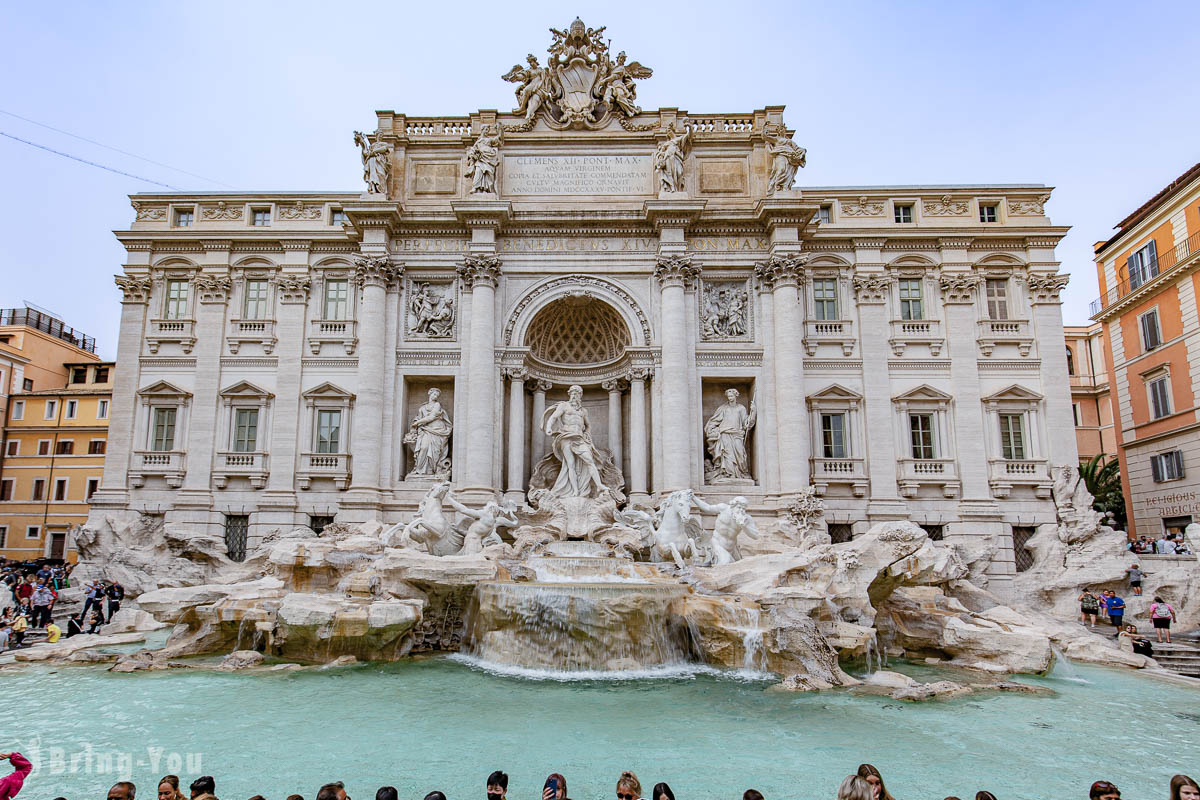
{"points": [[438, 724]]}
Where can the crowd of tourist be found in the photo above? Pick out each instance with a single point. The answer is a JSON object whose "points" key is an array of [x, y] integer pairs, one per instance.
{"points": [[34, 595], [1165, 545], [866, 783]]}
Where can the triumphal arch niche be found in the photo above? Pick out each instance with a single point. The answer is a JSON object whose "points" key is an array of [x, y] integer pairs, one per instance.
{"points": [[583, 298]]}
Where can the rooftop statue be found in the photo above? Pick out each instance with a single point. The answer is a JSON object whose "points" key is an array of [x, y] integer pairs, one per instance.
{"points": [[375, 162], [482, 159], [580, 86], [786, 158]]}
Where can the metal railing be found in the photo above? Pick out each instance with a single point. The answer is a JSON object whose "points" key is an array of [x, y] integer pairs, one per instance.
{"points": [[47, 324], [1165, 262]]}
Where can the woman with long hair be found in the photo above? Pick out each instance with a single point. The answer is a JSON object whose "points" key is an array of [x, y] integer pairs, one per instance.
{"points": [[168, 788], [1184, 788], [871, 775], [662, 792]]}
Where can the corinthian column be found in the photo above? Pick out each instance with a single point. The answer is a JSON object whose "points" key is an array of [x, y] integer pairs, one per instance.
{"points": [[516, 434], [785, 273], [538, 446], [480, 274], [373, 274], [674, 272], [638, 438], [615, 430]]}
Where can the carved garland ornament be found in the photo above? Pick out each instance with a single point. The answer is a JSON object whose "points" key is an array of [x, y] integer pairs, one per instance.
{"points": [[959, 288], [133, 290], [149, 213], [221, 211], [946, 207], [300, 211], [1045, 287], [871, 288], [582, 282], [1027, 207], [862, 208]]}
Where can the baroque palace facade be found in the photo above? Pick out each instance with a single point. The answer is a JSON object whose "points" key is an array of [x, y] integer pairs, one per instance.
{"points": [[899, 350]]}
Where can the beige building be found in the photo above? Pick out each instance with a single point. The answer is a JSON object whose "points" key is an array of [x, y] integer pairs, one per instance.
{"points": [[1091, 401], [896, 350]]}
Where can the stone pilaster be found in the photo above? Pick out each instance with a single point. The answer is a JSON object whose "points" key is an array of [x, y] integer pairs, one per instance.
{"points": [[481, 274], [785, 271], [674, 273], [1061, 447], [516, 434]]}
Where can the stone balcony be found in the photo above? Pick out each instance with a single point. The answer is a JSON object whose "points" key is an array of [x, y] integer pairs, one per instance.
{"points": [[916, 331], [837, 332], [343, 332], [327, 466], [913, 473], [172, 331], [1004, 474], [167, 464], [256, 331], [827, 472], [254, 466], [994, 332]]}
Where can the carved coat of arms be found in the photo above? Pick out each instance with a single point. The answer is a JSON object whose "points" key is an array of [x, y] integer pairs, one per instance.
{"points": [[580, 86]]}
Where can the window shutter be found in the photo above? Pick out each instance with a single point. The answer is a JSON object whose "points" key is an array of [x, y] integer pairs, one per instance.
{"points": [[1150, 259], [1177, 456], [1156, 469]]}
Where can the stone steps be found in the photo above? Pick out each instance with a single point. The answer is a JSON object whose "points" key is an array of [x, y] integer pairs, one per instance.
{"points": [[1180, 657]]}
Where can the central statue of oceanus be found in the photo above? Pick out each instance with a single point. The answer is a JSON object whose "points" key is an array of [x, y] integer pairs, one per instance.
{"points": [[567, 425]]}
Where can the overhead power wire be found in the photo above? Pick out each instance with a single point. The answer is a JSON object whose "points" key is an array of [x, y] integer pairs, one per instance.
{"points": [[114, 149], [89, 163]]}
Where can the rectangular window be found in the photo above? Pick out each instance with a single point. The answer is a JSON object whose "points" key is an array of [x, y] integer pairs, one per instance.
{"points": [[96, 447], [823, 214], [1160, 396], [260, 217], [1166, 466], [840, 532], [1012, 437], [920, 427], [245, 430], [43, 447], [337, 298], [833, 435], [903, 213], [237, 527], [101, 375], [33, 532], [317, 523], [1151, 334], [997, 298], [329, 431], [177, 300], [14, 447], [102, 409], [1075, 413], [988, 213], [825, 299], [64, 447], [911, 301], [60, 489], [6, 489], [51, 409], [256, 300], [935, 532], [1021, 534], [72, 408], [184, 217], [337, 216], [163, 435], [18, 409], [79, 375], [27, 385], [39, 489], [1143, 265], [92, 485], [3, 535]]}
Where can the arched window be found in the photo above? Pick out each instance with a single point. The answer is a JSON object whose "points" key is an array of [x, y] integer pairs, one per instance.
{"points": [[1070, 362]]}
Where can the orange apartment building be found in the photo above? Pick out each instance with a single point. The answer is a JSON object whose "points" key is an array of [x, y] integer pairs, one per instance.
{"points": [[1091, 402], [1149, 274]]}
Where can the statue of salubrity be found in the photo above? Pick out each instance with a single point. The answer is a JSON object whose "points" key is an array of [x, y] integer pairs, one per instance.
{"points": [[725, 433]]}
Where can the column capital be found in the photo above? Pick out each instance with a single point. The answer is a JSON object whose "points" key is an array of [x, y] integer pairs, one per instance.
{"points": [[959, 287], [676, 270], [480, 270], [213, 288], [516, 373], [293, 289], [871, 288], [542, 385], [782, 269], [133, 290], [638, 374], [616, 385], [372, 270], [1044, 287]]}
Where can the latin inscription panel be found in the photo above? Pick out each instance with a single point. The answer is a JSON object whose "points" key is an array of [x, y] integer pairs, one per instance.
{"points": [[584, 175]]}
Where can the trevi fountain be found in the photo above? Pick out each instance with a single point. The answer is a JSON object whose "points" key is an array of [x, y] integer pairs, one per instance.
{"points": [[721, 584]]}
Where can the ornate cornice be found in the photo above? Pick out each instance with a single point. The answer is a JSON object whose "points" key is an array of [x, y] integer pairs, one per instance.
{"points": [[480, 270], [676, 270], [1044, 287], [213, 288], [293, 289], [375, 270], [959, 287], [782, 270], [133, 290], [295, 244], [215, 245], [871, 288]]}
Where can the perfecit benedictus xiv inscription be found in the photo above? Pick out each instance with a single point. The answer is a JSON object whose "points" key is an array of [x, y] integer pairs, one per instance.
{"points": [[577, 175]]}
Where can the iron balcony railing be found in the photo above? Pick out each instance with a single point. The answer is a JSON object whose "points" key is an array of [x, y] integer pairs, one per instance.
{"points": [[47, 324], [1165, 262]]}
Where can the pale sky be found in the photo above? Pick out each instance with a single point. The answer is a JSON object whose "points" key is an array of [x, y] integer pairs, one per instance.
{"points": [[1097, 99]]}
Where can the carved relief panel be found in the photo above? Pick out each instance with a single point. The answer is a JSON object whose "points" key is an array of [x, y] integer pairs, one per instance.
{"points": [[725, 311], [431, 309]]}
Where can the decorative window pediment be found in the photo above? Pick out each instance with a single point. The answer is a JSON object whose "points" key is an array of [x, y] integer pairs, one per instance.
{"points": [[163, 391], [835, 393], [1014, 393], [923, 394], [244, 390], [327, 391]]}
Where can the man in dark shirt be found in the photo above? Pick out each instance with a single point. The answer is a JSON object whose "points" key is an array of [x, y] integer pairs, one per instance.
{"points": [[116, 593]]}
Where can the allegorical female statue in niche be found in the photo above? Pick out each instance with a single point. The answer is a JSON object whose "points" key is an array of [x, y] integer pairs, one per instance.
{"points": [[429, 438], [726, 432]]}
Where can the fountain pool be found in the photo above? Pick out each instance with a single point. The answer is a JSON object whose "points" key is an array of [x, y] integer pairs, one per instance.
{"points": [[440, 724]]}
